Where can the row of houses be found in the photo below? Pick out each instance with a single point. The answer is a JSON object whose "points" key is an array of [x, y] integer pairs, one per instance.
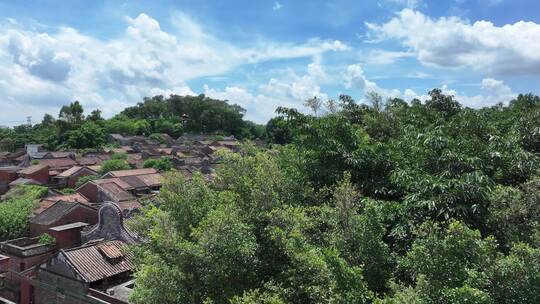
{"points": [[57, 170], [88, 261]]}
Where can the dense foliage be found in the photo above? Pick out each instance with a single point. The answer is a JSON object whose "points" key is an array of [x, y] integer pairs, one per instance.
{"points": [[390, 203], [160, 164], [118, 161], [174, 116], [16, 208]]}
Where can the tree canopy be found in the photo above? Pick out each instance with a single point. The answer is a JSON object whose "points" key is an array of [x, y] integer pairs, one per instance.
{"points": [[392, 202], [174, 116]]}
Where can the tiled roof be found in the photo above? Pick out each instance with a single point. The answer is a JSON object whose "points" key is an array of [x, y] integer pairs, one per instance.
{"points": [[115, 192], [110, 250], [69, 171], [60, 154], [120, 183], [58, 162], [33, 169], [73, 170], [128, 206], [88, 160], [95, 168], [55, 212], [10, 169], [150, 180], [132, 172], [134, 182], [49, 201], [99, 261]]}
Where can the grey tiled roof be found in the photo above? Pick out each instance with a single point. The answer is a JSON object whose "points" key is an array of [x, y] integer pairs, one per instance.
{"points": [[98, 261]]}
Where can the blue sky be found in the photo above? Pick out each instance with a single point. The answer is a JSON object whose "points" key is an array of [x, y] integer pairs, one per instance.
{"points": [[262, 54]]}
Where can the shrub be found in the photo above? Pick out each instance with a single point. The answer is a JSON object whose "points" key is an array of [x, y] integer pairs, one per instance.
{"points": [[119, 156], [46, 239], [83, 180], [113, 165], [161, 164], [15, 210]]}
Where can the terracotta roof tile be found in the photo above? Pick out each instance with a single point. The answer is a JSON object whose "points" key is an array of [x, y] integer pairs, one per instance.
{"points": [[74, 170], [55, 212], [33, 169], [96, 262], [55, 163], [132, 172], [151, 180], [115, 192], [120, 183], [49, 201], [88, 160]]}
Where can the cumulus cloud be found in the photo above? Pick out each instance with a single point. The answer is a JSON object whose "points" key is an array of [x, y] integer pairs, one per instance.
{"points": [[290, 90], [493, 91], [52, 68], [355, 79], [293, 89], [454, 42]]}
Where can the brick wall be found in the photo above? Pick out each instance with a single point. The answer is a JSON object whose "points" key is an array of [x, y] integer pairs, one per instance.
{"points": [[72, 180], [78, 214], [41, 176]]}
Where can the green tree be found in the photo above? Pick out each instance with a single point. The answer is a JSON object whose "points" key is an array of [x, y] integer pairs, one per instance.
{"points": [[16, 208], [113, 165], [95, 116], [161, 164], [88, 135]]}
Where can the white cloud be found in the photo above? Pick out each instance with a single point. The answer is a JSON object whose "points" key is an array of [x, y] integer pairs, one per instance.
{"points": [[52, 68], [493, 91], [277, 6], [355, 79], [290, 90], [382, 57], [406, 3], [453, 42]]}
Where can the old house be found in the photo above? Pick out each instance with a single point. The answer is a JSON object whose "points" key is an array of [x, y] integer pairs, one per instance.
{"points": [[98, 271], [58, 164], [25, 252], [70, 177], [36, 151], [20, 257], [48, 201], [7, 175], [39, 173], [62, 213], [94, 272], [109, 189]]}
